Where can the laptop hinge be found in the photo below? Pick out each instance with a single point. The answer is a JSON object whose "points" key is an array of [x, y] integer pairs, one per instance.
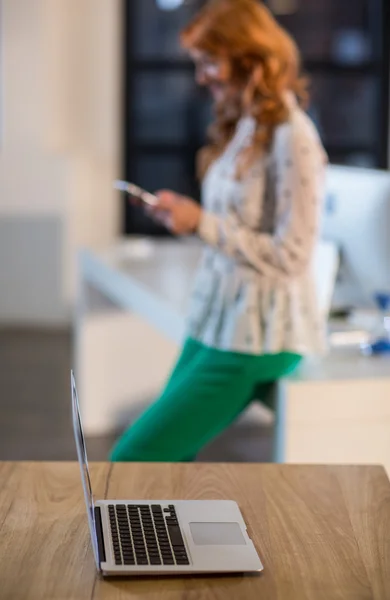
{"points": [[99, 534]]}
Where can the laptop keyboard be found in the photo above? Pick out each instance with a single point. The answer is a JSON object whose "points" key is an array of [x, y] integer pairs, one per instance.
{"points": [[146, 535]]}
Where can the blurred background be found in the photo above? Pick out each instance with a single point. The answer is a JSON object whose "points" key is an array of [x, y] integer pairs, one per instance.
{"points": [[94, 90], [345, 51]]}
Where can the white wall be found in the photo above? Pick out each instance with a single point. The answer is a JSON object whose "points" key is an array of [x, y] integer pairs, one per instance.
{"points": [[59, 148]]}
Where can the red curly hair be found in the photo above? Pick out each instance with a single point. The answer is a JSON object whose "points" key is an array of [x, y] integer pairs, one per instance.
{"points": [[263, 56]]}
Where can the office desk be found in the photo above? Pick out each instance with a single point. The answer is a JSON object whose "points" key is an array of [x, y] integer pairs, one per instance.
{"points": [[333, 410], [323, 532]]}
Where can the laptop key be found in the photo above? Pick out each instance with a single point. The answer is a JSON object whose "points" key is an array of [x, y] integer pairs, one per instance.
{"points": [[179, 558], [142, 559], [168, 558], [175, 535]]}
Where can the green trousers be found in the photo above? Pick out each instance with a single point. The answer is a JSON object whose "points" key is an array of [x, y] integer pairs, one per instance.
{"points": [[206, 391]]}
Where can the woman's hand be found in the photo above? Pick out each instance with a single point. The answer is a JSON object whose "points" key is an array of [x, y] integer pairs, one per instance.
{"points": [[180, 214]]}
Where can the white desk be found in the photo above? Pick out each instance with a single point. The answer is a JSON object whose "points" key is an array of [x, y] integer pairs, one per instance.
{"points": [[333, 410], [152, 279]]}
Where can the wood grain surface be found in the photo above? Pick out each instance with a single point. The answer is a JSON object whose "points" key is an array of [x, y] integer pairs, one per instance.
{"points": [[323, 533]]}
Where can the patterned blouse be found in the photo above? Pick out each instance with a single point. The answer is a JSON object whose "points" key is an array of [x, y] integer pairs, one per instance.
{"points": [[254, 290]]}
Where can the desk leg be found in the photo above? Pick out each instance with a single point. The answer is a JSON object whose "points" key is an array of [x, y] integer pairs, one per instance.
{"points": [[279, 449]]}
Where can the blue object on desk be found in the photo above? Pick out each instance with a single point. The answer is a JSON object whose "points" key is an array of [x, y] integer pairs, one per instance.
{"points": [[380, 342], [383, 301]]}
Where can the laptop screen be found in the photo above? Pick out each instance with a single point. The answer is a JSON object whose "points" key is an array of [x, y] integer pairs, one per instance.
{"points": [[83, 462]]}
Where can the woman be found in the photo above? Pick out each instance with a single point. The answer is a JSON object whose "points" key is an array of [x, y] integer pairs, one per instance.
{"points": [[253, 314]]}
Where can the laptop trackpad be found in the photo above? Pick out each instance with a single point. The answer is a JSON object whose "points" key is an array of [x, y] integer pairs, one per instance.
{"points": [[217, 534]]}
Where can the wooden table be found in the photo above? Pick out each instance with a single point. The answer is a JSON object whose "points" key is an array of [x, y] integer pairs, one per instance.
{"points": [[323, 533]]}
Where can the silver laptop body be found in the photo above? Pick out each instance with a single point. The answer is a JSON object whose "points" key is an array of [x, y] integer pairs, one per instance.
{"points": [[176, 537]]}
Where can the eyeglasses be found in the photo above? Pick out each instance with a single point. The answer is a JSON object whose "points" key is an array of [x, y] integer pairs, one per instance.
{"points": [[208, 65]]}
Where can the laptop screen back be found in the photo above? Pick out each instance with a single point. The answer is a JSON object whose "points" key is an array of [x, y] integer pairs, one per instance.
{"points": [[83, 462]]}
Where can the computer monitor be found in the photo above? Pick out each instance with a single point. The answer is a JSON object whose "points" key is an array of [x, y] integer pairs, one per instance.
{"points": [[356, 218]]}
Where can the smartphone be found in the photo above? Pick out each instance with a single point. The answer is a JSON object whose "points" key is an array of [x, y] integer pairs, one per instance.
{"points": [[136, 191]]}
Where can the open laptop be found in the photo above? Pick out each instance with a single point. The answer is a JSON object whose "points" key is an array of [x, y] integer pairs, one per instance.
{"points": [[163, 537]]}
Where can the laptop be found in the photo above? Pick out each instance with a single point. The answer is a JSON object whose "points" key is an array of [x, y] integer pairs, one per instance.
{"points": [[163, 537]]}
